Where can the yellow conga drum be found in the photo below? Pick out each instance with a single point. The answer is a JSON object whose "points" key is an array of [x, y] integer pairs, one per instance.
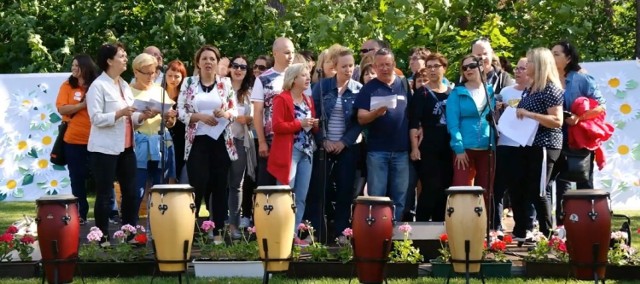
{"points": [[172, 217], [274, 217], [465, 220]]}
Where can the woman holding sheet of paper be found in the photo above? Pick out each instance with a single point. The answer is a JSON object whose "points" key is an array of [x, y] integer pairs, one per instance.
{"points": [[148, 149], [207, 105], [467, 109], [542, 102]]}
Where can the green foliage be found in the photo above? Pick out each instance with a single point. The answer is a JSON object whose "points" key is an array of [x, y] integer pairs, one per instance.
{"points": [[43, 36]]}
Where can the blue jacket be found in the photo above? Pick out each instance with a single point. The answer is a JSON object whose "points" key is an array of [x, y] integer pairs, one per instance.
{"points": [[147, 148], [468, 128], [581, 85], [330, 95]]}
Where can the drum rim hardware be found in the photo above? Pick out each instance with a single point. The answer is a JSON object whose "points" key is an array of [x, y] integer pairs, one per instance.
{"points": [[593, 214], [162, 207]]}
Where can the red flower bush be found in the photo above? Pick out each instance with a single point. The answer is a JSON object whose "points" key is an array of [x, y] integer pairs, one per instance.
{"points": [[12, 230], [141, 238]]}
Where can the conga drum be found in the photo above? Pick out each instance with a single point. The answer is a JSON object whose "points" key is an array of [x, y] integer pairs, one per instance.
{"points": [[465, 220], [58, 235], [372, 224], [172, 218], [587, 220], [274, 217]]}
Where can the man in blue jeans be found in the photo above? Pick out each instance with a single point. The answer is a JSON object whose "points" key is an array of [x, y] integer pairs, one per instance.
{"points": [[388, 137]]}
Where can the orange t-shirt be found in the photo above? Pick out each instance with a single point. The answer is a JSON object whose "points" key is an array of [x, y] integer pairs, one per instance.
{"points": [[79, 125]]}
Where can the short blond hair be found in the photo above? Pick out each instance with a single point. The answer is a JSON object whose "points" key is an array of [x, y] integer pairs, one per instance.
{"points": [[292, 73], [144, 59], [544, 66]]}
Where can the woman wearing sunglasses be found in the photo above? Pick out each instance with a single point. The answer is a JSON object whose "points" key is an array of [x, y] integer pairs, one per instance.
{"points": [[241, 80], [467, 109], [262, 63]]}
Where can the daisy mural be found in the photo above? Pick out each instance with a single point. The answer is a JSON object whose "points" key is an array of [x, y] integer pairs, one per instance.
{"points": [[615, 85], [622, 111], [28, 131]]}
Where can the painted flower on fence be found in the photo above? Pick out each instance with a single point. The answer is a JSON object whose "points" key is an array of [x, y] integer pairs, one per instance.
{"points": [[22, 104], [53, 182], [623, 111], [43, 117], [615, 84], [43, 140], [11, 186]]}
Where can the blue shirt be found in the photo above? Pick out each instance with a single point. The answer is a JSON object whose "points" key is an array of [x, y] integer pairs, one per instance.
{"points": [[469, 128], [581, 85], [390, 132]]}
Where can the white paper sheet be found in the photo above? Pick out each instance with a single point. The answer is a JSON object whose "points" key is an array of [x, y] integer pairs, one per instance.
{"points": [[154, 105], [388, 101], [213, 131], [523, 131]]}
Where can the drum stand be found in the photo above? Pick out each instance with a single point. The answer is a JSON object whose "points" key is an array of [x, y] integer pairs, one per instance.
{"points": [[595, 248], [185, 260], [56, 261], [385, 246], [266, 260], [466, 261]]}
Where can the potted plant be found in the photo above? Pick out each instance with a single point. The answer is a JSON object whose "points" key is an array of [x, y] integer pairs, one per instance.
{"points": [[16, 248], [235, 259], [624, 260], [404, 258], [548, 258], [495, 262], [318, 260], [127, 257]]}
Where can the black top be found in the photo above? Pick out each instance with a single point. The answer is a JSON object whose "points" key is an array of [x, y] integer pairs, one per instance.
{"points": [[539, 102], [178, 132], [427, 109]]}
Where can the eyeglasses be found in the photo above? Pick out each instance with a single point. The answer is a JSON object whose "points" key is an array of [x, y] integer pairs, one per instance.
{"points": [[242, 67], [259, 67], [415, 58], [469, 66], [431, 67], [146, 73], [520, 69], [366, 50]]}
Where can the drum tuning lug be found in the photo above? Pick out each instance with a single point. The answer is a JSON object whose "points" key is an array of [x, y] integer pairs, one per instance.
{"points": [[450, 211], [193, 207], [66, 219], [478, 211], [163, 208], [370, 220], [294, 208], [593, 215], [268, 208]]}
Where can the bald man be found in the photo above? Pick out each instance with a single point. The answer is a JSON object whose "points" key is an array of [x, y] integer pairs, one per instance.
{"points": [[265, 88]]}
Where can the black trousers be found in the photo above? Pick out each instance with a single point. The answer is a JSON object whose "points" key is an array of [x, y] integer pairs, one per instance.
{"points": [[563, 185], [435, 170], [263, 176], [526, 188], [106, 169], [208, 170]]}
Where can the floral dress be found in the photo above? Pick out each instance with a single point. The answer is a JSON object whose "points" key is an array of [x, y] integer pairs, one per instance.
{"points": [[303, 139]]}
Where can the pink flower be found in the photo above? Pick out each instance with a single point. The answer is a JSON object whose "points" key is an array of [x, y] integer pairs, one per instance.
{"points": [[406, 228], [94, 236], [140, 229], [12, 230], [251, 230], [128, 229], [208, 226], [302, 227], [348, 232], [119, 235], [562, 247]]}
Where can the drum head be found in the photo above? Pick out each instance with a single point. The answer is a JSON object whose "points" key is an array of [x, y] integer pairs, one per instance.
{"points": [[272, 189], [373, 200], [57, 199], [165, 188], [464, 189], [585, 194]]}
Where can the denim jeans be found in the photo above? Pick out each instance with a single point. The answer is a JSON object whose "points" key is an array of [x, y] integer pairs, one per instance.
{"points": [[78, 164], [388, 175], [299, 178], [151, 174], [236, 177]]}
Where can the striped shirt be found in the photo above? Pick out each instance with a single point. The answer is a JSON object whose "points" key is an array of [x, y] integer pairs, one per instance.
{"points": [[335, 125]]}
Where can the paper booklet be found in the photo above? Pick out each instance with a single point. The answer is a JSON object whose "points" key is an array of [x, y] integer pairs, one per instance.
{"points": [[522, 131]]}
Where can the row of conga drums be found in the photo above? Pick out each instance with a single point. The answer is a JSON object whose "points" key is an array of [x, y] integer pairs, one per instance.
{"points": [[172, 221]]}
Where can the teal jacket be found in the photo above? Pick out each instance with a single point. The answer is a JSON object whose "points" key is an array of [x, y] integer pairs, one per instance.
{"points": [[468, 128]]}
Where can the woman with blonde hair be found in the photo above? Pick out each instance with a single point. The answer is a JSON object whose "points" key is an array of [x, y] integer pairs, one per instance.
{"points": [[293, 125], [541, 101], [147, 146], [324, 67]]}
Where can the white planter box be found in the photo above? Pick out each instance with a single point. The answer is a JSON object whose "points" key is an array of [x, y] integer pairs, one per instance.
{"points": [[207, 268]]}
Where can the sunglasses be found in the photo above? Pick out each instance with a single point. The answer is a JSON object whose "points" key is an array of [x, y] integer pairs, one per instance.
{"points": [[259, 67], [242, 67], [366, 50], [469, 66]]}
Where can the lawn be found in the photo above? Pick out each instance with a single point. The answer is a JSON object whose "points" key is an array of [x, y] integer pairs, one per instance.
{"points": [[278, 280]]}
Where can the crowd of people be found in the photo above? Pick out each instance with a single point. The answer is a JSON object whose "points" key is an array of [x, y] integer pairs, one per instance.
{"points": [[331, 128]]}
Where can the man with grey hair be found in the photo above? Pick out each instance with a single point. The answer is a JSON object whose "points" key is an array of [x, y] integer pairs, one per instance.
{"points": [[497, 77], [370, 46]]}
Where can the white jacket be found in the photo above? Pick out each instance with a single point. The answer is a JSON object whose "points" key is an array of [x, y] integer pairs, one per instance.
{"points": [[103, 101]]}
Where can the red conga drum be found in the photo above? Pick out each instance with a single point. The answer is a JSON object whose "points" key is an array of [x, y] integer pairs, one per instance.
{"points": [[587, 219], [466, 220], [58, 235], [372, 222]]}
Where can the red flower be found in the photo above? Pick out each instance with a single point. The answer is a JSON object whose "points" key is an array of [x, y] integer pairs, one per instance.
{"points": [[444, 238], [12, 230], [230, 106], [27, 239], [484, 244], [6, 238], [498, 246], [562, 247], [141, 238], [508, 239], [220, 85]]}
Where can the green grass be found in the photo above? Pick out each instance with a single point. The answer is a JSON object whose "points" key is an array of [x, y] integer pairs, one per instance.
{"points": [[278, 280]]}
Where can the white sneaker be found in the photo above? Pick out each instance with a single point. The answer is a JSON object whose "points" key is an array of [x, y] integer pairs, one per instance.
{"points": [[245, 222]]}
